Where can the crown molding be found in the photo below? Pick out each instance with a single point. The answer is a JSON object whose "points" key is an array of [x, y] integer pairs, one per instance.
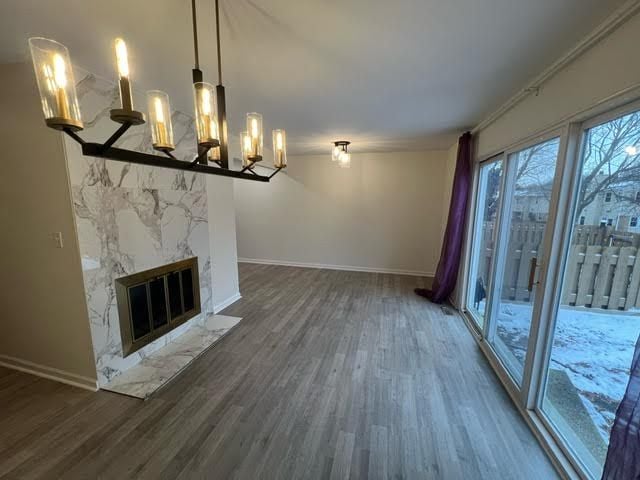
{"points": [[613, 21]]}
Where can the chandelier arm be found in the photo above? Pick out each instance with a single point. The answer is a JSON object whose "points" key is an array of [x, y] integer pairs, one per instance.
{"points": [[275, 172], [116, 135], [201, 158], [74, 135]]}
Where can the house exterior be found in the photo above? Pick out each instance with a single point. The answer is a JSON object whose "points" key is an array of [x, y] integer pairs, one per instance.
{"points": [[617, 207]]}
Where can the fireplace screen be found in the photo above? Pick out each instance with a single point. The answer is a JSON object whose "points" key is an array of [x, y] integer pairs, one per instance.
{"points": [[154, 302]]}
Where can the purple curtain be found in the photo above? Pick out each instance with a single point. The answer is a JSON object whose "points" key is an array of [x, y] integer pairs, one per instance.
{"points": [[447, 271], [623, 456]]}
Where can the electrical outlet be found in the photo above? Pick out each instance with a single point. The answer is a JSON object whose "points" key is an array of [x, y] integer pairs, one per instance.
{"points": [[57, 238]]}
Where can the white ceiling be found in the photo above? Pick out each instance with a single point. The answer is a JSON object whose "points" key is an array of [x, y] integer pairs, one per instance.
{"points": [[394, 75]]}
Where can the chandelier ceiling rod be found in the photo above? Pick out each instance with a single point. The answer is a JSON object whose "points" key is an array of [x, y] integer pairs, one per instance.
{"points": [[194, 19], [223, 149], [218, 44]]}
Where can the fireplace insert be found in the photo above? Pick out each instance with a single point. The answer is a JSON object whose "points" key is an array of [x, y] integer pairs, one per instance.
{"points": [[154, 302]]}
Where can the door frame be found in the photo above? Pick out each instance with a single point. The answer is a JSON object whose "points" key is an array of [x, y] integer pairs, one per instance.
{"points": [[473, 238], [574, 126], [564, 223], [521, 390]]}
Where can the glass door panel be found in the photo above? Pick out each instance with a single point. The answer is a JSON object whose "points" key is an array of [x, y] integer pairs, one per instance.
{"points": [[484, 233], [598, 317], [525, 212]]}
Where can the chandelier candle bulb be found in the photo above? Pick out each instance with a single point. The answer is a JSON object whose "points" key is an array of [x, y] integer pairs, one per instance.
{"points": [[60, 82], [206, 114], [160, 119], [126, 114], [123, 72], [254, 129], [56, 84], [246, 149], [279, 149]]}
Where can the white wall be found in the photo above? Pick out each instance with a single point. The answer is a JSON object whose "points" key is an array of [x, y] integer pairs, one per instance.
{"points": [[222, 239], [384, 213], [606, 69], [45, 326]]}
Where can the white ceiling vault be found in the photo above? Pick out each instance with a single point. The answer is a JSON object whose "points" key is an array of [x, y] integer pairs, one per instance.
{"points": [[387, 75]]}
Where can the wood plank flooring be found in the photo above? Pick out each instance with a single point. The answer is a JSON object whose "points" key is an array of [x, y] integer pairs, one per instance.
{"points": [[330, 374]]}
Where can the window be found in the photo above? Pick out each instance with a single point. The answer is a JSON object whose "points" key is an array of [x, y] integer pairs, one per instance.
{"points": [[595, 327], [633, 222], [637, 197], [582, 219], [607, 197]]}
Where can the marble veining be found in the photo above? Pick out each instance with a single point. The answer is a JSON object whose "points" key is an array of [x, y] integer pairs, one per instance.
{"points": [[131, 218], [157, 369]]}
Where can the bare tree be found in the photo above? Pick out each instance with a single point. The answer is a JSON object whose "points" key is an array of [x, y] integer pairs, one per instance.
{"points": [[493, 191], [536, 165], [536, 169], [608, 164]]}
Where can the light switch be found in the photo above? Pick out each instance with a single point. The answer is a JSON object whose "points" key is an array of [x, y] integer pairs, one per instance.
{"points": [[57, 238]]}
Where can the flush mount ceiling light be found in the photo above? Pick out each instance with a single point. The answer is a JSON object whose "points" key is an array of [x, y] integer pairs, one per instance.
{"points": [[56, 84], [340, 153]]}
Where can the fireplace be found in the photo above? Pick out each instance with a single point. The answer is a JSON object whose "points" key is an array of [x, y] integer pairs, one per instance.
{"points": [[154, 302]]}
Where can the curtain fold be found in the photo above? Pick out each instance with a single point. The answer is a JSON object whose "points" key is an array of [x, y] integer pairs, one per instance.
{"points": [[447, 272], [623, 455]]}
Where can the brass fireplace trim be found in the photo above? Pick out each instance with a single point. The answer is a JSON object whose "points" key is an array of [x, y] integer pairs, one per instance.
{"points": [[122, 286]]}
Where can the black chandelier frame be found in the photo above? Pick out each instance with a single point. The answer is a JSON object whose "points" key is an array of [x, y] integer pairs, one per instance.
{"points": [[200, 164]]}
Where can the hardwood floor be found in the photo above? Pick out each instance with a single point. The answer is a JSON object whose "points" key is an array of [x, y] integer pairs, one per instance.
{"points": [[330, 374]]}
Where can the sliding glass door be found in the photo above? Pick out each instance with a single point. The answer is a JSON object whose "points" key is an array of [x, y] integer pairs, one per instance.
{"points": [[484, 236], [564, 209], [528, 188], [597, 317]]}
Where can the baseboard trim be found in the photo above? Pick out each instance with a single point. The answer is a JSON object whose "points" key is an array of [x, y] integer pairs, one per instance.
{"points": [[225, 303], [55, 374], [349, 268]]}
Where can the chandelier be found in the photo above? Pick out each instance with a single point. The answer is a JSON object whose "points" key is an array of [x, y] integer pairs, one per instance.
{"points": [[340, 153], [56, 84]]}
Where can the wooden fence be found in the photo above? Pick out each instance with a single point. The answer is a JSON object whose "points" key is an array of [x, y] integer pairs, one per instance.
{"points": [[605, 236], [596, 276], [602, 277]]}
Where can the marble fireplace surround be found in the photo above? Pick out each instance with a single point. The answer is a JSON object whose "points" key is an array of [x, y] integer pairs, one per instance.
{"points": [[160, 367], [131, 218]]}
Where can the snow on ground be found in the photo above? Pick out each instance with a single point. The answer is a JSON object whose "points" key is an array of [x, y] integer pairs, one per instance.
{"points": [[594, 347]]}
